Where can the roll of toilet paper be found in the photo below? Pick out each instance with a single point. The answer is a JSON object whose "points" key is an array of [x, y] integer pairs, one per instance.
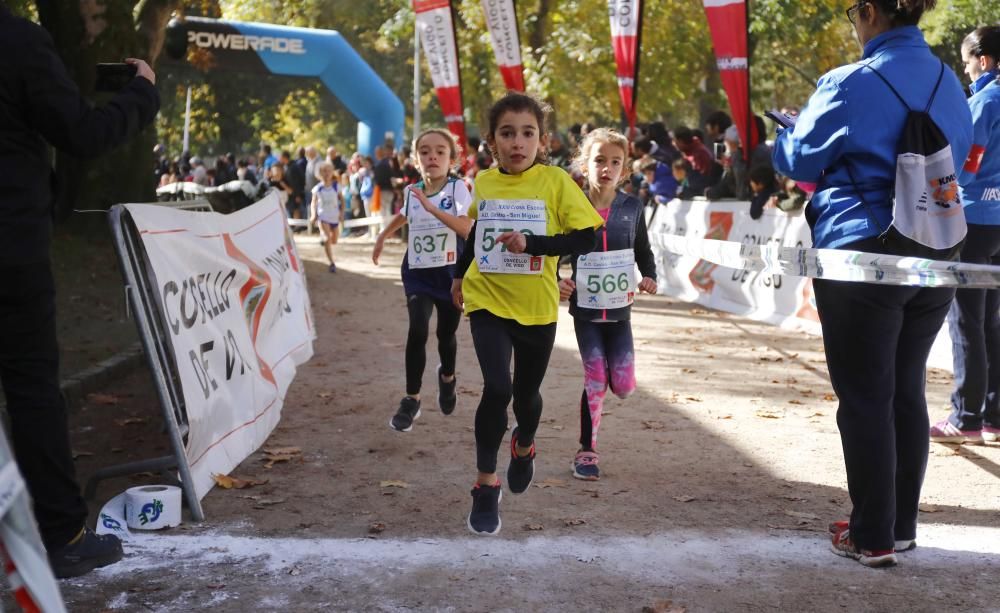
{"points": [[152, 507], [148, 507]]}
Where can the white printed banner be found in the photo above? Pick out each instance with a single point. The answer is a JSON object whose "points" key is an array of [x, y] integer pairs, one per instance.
{"points": [[501, 20], [783, 300], [437, 36], [232, 293]]}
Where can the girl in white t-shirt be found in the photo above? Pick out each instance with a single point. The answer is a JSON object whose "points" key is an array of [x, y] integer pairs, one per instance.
{"points": [[328, 209], [435, 209]]}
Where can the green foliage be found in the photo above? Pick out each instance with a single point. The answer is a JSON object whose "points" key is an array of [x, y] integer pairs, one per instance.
{"points": [[572, 65]]}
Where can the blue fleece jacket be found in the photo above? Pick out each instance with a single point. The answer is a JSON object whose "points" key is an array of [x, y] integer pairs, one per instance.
{"points": [[980, 176], [854, 118]]}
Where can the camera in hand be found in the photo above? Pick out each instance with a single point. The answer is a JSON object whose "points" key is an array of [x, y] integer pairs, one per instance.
{"points": [[114, 77]]}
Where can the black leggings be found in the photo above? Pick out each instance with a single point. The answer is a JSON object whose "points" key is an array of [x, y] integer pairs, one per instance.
{"points": [[495, 339], [420, 308]]}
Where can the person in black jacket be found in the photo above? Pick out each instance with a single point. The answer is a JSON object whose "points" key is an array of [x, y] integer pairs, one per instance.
{"points": [[40, 105], [602, 289]]}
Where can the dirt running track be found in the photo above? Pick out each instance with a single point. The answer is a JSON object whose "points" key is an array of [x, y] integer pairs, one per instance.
{"points": [[720, 475]]}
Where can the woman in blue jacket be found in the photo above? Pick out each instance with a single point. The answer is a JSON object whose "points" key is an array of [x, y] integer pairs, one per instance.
{"points": [[877, 337], [974, 318]]}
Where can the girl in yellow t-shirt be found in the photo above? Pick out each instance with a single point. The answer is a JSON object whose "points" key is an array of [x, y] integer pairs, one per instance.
{"points": [[527, 215]]}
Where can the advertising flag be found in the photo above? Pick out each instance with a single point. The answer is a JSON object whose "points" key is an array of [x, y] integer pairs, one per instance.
{"points": [[501, 19], [727, 19], [437, 36], [626, 31]]}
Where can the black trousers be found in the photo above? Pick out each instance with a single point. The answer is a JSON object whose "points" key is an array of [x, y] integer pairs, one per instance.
{"points": [[495, 339], [29, 372], [420, 307], [877, 339]]}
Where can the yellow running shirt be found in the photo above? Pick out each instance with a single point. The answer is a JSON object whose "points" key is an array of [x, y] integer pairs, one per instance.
{"points": [[526, 291]]}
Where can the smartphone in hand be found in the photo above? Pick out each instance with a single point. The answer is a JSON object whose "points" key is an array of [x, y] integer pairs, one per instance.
{"points": [[114, 77], [785, 121]]}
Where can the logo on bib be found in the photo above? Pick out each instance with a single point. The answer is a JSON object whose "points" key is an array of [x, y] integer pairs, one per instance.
{"points": [[536, 263]]}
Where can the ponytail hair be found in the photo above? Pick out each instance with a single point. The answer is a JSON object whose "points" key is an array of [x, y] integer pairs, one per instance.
{"points": [[983, 41]]}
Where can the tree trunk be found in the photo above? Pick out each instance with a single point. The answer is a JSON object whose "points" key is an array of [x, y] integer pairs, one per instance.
{"points": [[87, 32]]}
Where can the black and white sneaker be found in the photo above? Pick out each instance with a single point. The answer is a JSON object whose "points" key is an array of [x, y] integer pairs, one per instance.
{"points": [[87, 552], [447, 398], [409, 410], [521, 470], [484, 519]]}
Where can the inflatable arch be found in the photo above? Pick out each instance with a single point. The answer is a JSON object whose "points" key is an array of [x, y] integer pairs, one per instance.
{"points": [[303, 52]]}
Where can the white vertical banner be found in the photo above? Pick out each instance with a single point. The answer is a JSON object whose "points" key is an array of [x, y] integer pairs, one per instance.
{"points": [[232, 293], [437, 37], [501, 20]]}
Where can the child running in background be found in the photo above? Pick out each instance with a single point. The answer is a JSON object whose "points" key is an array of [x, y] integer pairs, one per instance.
{"points": [[602, 288], [328, 208], [435, 208], [527, 214]]}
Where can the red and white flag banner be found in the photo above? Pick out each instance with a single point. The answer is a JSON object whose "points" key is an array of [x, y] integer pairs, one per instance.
{"points": [[727, 19], [626, 31], [437, 35], [501, 19]]}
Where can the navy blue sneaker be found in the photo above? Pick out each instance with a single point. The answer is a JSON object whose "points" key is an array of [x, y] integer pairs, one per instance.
{"points": [[484, 519], [85, 553], [585, 465], [447, 398], [409, 410], [521, 470]]}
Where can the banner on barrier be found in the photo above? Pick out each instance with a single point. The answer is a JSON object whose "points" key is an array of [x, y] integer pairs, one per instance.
{"points": [[782, 300], [232, 293]]}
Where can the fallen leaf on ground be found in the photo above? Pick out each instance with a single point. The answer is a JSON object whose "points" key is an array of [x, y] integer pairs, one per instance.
{"points": [[295, 571], [130, 421], [724, 417], [664, 606], [829, 397], [698, 312], [394, 483], [82, 454], [550, 482], [235, 483], [376, 528], [325, 395], [574, 522], [268, 502], [801, 515], [280, 454], [767, 414], [795, 402], [693, 398], [685, 498], [929, 508], [105, 399], [533, 527], [653, 425]]}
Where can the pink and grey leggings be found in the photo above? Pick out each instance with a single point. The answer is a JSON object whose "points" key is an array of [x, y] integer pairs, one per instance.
{"points": [[608, 359]]}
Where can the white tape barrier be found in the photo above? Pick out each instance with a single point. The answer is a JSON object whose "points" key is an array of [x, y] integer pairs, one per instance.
{"points": [[834, 264], [148, 507]]}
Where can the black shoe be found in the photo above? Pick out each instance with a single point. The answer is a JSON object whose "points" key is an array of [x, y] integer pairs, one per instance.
{"points": [[88, 552], [446, 394], [409, 409], [484, 519], [521, 470]]}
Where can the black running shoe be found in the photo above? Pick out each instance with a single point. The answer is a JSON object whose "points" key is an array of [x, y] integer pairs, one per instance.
{"points": [[447, 398], [521, 470], [409, 409], [88, 552], [484, 519]]}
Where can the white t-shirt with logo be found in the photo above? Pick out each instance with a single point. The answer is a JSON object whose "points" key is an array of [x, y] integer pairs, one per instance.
{"points": [[328, 207], [431, 244]]}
